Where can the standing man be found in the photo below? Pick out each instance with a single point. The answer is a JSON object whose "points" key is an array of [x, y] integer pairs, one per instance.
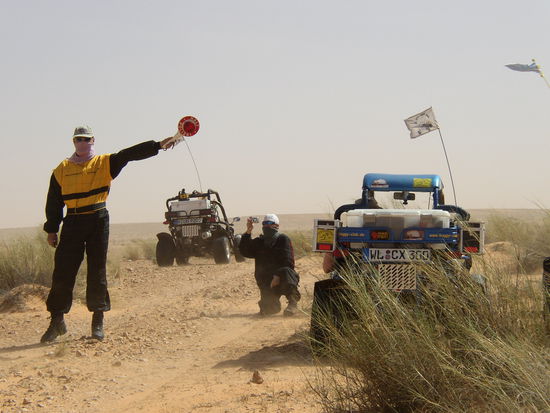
{"points": [[81, 183], [274, 266]]}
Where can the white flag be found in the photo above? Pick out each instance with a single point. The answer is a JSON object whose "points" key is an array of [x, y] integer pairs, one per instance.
{"points": [[533, 67], [421, 123]]}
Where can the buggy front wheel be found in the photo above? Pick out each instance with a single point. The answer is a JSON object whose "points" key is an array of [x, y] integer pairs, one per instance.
{"points": [[238, 256], [221, 250], [166, 250]]}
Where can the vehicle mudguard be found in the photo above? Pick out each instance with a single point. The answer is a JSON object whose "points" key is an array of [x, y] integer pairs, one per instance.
{"points": [[164, 235]]}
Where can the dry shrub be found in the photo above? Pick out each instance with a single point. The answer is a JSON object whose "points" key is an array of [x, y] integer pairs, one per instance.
{"points": [[455, 350], [30, 260], [140, 249], [26, 260], [530, 240], [301, 242]]}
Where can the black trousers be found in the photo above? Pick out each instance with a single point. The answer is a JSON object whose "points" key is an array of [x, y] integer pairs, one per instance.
{"points": [[270, 297], [84, 232]]}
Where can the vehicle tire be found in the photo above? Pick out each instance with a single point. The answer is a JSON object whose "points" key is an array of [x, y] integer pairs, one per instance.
{"points": [[221, 250], [238, 256], [166, 250], [182, 257]]}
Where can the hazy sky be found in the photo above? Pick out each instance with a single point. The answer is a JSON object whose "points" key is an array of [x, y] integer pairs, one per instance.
{"points": [[297, 99]]}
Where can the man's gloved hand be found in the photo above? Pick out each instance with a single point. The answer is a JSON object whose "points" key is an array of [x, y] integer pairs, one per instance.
{"points": [[275, 281], [52, 239]]}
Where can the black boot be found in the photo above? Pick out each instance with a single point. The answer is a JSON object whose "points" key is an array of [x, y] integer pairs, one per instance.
{"points": [[269, 302], [97, 325], [293, 298], [56, 328]]}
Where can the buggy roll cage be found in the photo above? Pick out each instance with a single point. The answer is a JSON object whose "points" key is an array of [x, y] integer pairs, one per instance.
{"points": [[182, 196], [402, 182]]}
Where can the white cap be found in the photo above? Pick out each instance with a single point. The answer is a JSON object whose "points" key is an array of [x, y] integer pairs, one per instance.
{"points": [[271, 217], [83, 132]]}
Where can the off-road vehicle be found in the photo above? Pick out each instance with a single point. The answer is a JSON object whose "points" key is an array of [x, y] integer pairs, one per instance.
{"points": [[198, 227], [395, 245]]}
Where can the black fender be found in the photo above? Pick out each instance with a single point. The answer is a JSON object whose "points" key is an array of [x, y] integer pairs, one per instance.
{"points": [[164, 235]]}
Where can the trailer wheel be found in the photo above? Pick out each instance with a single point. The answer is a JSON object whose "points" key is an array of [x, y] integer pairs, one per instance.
{"points": [[221, 250], [166, 250], [238, 256]]}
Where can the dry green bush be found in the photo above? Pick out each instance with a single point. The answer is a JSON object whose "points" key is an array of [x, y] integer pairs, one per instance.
{"points": [[530, 239], [457, 351], [26, 260], [301, 242], [140, 249], [30, 260]]}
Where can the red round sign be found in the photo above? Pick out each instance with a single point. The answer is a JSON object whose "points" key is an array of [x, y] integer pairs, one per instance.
{"points": [[188, 126]]}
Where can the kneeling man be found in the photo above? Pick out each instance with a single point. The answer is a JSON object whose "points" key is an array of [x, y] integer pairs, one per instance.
{"points": [[274, 266]]}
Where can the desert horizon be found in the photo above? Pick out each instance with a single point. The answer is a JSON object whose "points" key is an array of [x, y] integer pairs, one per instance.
{"points": [[289, 222]]}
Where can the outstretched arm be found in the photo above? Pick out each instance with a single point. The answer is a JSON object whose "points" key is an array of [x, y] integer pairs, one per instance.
{"points": [[135, 153]]}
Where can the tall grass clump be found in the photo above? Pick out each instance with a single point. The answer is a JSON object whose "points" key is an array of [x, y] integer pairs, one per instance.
{"points": [[30, 260], [26, 260], [530, 240], [453, 348], [301, 242], [140, 249]]}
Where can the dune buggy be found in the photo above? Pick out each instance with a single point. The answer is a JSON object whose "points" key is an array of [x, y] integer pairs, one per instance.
{"points": [[198, 227], [394, 245]]}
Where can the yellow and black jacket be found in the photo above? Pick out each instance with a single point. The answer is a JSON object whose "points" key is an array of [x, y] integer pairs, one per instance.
{"points": [[84, 188]]}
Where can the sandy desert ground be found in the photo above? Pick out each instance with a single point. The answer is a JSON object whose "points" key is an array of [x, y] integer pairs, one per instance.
{"points": [[179, 339]]}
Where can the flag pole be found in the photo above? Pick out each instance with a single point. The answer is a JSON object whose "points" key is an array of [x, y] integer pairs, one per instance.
{"points": [[541, 73], [448, 164]]}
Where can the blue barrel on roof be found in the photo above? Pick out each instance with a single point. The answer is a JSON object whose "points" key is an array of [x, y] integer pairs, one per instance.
{"points": [[402, 182]]}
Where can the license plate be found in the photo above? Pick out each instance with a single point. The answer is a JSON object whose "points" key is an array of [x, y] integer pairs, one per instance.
{"points": [[185, 221], [397, 254]]}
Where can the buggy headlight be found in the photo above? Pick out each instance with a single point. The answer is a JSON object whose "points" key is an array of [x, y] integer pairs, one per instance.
{"points": [[206, 234]]}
